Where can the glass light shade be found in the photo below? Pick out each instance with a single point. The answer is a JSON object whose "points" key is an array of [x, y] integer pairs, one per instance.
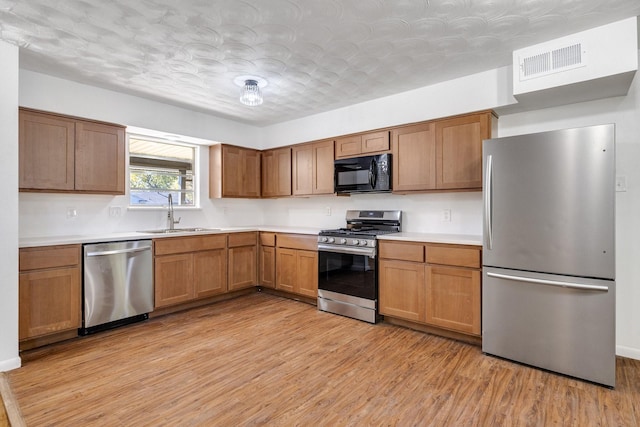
{"points": [[251, 94]]}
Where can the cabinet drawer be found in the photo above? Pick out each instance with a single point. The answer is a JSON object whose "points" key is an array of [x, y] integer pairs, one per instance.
{"points": [[461, 256], [267, 239], [375, 141], [348, 146], [298, 241], [176, 245], [49, 257], [242, 239], [402, 251]]}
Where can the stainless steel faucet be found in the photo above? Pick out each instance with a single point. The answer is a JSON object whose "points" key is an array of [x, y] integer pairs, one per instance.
{"points": [[171, 221]]}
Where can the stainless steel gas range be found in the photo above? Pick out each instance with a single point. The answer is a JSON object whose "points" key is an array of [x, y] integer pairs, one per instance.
{"points": [[348, 264]]}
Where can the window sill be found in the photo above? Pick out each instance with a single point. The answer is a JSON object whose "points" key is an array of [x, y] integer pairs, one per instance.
{"points": [[163, 208]]}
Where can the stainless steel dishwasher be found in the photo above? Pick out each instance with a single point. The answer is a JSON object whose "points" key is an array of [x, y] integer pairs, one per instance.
{"points": [[117, 284]]}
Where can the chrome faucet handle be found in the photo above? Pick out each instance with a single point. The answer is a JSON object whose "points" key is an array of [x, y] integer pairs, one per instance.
{"points": [[177, 221]]}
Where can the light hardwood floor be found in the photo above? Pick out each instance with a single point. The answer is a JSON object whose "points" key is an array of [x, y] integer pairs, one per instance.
{"points": [[266, 360]]}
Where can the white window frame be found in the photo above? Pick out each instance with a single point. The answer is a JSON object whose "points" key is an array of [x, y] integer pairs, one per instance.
{"points": [[195, 173]]}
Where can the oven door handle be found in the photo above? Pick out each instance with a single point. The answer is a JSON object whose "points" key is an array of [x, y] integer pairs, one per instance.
{"points": [[370, 252]]}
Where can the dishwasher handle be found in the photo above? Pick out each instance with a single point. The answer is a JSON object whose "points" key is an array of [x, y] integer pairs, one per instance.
{"points": [[119, 251]]}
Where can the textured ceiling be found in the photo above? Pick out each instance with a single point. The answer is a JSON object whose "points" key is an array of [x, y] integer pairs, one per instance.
{"points": [[317, 55]]}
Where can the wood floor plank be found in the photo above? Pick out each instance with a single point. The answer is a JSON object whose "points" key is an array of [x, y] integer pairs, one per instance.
{"points": [[265, 360]]}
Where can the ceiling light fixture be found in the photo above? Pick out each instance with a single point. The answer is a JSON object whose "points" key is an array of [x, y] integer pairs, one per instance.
{"points": [[251, 92]]}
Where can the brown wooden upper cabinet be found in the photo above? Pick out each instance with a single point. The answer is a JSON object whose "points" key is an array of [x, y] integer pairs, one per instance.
{"points": [[362, 144], [440, 155], [459, 150], [414, 158], [276, 172], [65, 154], [312, 168], [234, 172]]}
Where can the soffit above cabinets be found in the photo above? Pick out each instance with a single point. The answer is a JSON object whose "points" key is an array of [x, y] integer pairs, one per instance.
{"points": [[316, 56]]}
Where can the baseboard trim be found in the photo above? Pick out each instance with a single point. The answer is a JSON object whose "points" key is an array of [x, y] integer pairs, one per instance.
{"points": [[10, 364], [630, 352]]}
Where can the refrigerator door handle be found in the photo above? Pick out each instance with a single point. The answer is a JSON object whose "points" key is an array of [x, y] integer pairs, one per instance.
{"points": [[549, 282], [488, 199]]}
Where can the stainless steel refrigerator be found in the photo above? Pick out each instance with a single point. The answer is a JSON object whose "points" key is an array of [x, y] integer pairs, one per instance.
{"points": [[548, 290]]}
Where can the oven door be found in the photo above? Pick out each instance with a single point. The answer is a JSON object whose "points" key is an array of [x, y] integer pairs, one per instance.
{"points": [[348, 274]]}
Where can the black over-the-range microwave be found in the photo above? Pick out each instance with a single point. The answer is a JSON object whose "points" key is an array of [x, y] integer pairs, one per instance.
{"points": [[367, 174]]}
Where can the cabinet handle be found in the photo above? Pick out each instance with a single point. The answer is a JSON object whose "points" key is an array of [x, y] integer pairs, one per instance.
{"points": [[488, 203], [119, 251]]}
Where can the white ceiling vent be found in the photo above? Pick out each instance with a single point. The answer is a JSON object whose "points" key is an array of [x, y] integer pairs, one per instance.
{"points": [[564, 71], [552, 61]]}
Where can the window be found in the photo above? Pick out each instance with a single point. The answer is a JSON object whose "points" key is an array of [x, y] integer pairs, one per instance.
{"points": [[159, 168]]}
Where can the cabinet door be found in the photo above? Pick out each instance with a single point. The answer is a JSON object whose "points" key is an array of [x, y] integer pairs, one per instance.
{"points": [[210, 272], [276, 172], [302, 170], [323, 157], [286, 266], [242, 267], [402, 290], [100, 158], [307, 273], [348, 146], [459, 151], [250, 173], [453, 296], [267, 267], [414, 158], [375, 141], [173, 278], [269, 168], [231, 171], [46, 152], [49, 301]]}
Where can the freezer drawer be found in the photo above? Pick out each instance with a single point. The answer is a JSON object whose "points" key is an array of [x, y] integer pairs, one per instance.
{"points": [[563, 324]]}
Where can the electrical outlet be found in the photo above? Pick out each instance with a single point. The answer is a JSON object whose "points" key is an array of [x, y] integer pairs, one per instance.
{"points": [[115, 211], [327, 211], [621, 183], [72, 213], [446, 215]]}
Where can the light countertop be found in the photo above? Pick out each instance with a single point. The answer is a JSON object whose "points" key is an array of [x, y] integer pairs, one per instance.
{"points": [[458, 239], [454, 239], [140, 235]]}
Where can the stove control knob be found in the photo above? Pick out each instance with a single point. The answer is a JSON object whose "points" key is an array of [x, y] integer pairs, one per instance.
{"points": [[343, 241], [356, 242], [331, 240], [323, 239], [363, 242]]}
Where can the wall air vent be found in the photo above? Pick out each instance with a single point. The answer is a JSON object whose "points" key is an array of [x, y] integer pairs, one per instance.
{"points": [[552, 61], [592, 64]]}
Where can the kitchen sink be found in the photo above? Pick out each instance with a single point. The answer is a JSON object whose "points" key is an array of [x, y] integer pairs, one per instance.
{"points": [[179, 230]]}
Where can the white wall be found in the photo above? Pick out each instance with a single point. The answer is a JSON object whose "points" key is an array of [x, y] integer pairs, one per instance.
{"points": [[49, 93], [487, 90], [9, 358]]}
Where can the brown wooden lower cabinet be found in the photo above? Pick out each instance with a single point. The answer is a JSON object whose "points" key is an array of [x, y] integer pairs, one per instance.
{"points": [[453, 298], [402, 289], [297, 264], [173, 279], [49, 291], [242, 267], [210, 273], [188, 268], [444, 296], [267, 267], [243, 260]]}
